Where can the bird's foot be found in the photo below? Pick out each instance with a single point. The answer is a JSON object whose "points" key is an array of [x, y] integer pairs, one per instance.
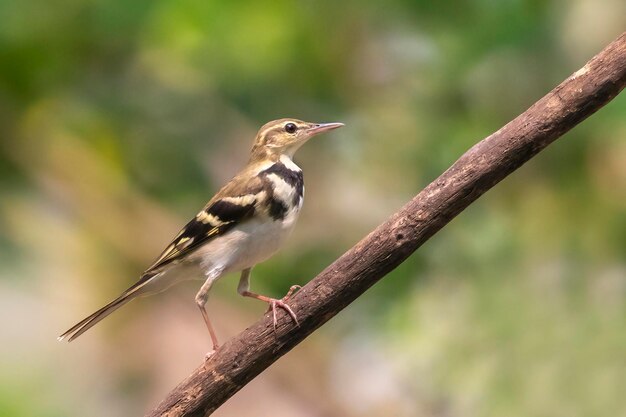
{"points": [[209, 355], [282, 303]]}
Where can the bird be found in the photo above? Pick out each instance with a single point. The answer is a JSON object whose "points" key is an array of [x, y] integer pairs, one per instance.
{"points": [[244, 224]]}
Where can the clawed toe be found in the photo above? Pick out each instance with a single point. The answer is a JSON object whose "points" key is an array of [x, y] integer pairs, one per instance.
{"points": [[274, 303], [292, 290]]}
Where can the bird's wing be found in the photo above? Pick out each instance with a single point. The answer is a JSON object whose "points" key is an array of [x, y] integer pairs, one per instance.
{"points": [[232, 205]]}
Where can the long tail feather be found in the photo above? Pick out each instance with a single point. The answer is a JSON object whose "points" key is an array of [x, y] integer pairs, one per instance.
{"points": [[145, 285], [88, 322]]}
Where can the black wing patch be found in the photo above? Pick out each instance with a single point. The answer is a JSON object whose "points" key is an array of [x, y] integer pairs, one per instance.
{"points": [[228, 211], [211, 222]]}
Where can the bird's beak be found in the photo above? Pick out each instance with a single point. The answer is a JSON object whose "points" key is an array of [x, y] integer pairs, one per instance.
{"points": [[322, 127]]}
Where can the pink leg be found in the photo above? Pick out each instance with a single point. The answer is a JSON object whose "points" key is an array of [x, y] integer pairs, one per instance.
{"points": [[201, 299], [244, 289]]}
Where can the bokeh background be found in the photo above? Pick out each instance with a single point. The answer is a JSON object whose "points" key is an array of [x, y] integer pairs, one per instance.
{"points": [[119, 119]]}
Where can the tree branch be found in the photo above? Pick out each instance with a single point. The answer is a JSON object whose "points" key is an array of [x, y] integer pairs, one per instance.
{"points": [[245, 356]]}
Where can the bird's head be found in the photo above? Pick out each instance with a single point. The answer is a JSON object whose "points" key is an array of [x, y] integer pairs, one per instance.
{"points": [[285, 136]]}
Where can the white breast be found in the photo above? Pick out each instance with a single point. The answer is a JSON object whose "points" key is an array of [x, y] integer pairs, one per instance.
{"points": [[246, 245], [285, 192]]}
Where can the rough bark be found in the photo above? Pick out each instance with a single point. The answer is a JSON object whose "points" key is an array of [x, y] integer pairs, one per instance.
{"points": [[245, 356]]}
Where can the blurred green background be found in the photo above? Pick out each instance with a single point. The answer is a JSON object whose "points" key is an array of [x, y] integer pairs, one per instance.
{"points": [[118, 120]]}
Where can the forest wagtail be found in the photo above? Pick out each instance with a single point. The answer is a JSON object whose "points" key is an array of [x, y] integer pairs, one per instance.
{"points": [[245, 223]]}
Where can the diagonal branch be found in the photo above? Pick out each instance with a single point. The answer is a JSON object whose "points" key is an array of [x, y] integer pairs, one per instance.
{"points": [[480, 168]]}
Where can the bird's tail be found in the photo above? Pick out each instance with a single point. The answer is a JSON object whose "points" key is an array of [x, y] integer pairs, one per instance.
{"points": [[149, 283], [88, 322]]}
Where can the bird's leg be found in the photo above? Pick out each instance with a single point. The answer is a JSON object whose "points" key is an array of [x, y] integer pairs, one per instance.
{"points": [[201, 299], [244, 289]]}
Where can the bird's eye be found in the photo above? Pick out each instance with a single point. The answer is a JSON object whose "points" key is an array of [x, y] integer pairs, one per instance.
{"points": [[290, 128]]}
